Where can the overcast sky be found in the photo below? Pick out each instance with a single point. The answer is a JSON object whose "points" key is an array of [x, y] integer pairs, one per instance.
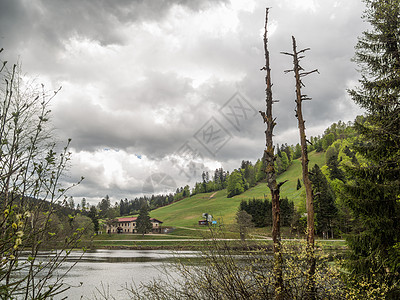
{"points": [[156, 91]]}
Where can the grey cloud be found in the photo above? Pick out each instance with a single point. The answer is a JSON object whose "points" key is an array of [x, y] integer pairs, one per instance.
{"points": [[332, 46], [54, 20], [155, 114], [157, 89]]}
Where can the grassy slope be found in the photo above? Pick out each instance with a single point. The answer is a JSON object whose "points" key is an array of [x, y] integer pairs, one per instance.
{"points": [[188, 212]]}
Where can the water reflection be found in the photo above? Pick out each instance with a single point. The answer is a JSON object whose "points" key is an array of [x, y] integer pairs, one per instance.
{"points": [[114, 269]]}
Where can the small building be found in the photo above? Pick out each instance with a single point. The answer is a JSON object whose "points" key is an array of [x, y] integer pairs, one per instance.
{"points": [[128, 225]]}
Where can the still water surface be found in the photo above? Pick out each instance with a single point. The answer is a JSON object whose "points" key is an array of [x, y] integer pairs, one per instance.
{"points": [[112, 269]]}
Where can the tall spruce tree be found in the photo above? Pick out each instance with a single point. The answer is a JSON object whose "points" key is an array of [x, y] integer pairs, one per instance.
{"points": [[374, 192], [324, 202], [143, 223], [333, 167], [298, 184]]}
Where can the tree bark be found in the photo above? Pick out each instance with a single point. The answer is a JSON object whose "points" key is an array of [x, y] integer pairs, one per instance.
{"points": [[270, 171], [299, 73]]}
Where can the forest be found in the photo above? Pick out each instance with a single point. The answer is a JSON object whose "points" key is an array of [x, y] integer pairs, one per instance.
{"points": [[355, 195]]}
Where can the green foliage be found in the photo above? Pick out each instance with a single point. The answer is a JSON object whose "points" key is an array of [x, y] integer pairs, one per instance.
{"points": [[298, 184], [331, 151], [328, 140], [143, 223], [285, 161], [335, 172], [287, 211], [236, 184], [373, 192], [283, 158], [249, 173], [243, 222], [297, 151], [180, 194], [104, 207], [261, 211], [278, 165], [220, 179], [219, 273], [218, 182], [93, 215], [260, 170], [324, 202]]}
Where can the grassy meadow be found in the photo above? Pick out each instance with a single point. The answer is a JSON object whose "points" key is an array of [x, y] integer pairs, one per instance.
{"points": [[183, 215], [187, 212]]}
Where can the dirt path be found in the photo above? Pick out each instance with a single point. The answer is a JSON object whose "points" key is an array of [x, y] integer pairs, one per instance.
{"points": [[188, 228], [213, 195]]}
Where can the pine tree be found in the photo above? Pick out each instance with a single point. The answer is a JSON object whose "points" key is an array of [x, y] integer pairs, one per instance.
{"points": [[324, 202], [298, 184], [93, 215], [373, 194], [297, 151], [84, 204], [143, 223], [121, 208], [287, 211], [334, 171]]}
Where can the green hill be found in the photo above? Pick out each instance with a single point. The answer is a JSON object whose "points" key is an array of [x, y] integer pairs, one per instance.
{"points": [[187, 212]]}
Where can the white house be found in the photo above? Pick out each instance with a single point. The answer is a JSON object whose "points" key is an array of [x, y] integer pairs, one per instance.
{"points": [[128, 225]]}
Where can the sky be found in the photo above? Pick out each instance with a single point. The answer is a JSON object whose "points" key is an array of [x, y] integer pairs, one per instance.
{"points": [[154, 92]]}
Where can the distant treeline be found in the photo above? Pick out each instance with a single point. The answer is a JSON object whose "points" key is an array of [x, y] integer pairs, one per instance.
{"points": [[261, 211]]}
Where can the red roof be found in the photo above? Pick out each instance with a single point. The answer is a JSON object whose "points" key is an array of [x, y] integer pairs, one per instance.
{"points": [[127, 219], [132, 219]]}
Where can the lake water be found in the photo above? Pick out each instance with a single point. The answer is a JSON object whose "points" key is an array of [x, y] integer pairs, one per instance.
{"points": [[112, 269]]}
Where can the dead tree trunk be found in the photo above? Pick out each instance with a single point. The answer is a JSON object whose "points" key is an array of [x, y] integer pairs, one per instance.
{"points": [[299, 73], [270, 171]]}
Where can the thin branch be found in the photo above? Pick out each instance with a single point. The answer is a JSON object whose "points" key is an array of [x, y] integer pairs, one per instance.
{"points": [[308, 73]]}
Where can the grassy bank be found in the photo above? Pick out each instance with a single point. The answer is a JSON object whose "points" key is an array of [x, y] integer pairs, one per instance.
{"points": [[197, 239]]}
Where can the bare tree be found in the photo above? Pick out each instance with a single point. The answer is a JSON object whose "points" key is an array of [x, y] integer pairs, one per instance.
{"points": [[31, 167], [270, 170], [243, 223], [299, 73]]}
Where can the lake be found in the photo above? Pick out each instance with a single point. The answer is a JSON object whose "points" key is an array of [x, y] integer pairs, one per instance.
{"points": [[112, 269]]}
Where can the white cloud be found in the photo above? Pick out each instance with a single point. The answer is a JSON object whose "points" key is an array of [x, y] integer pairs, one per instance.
{"points": [[143, 77]]}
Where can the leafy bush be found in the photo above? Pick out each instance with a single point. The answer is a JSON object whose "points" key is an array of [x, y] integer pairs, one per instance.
{"points": [[227, 274]]}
